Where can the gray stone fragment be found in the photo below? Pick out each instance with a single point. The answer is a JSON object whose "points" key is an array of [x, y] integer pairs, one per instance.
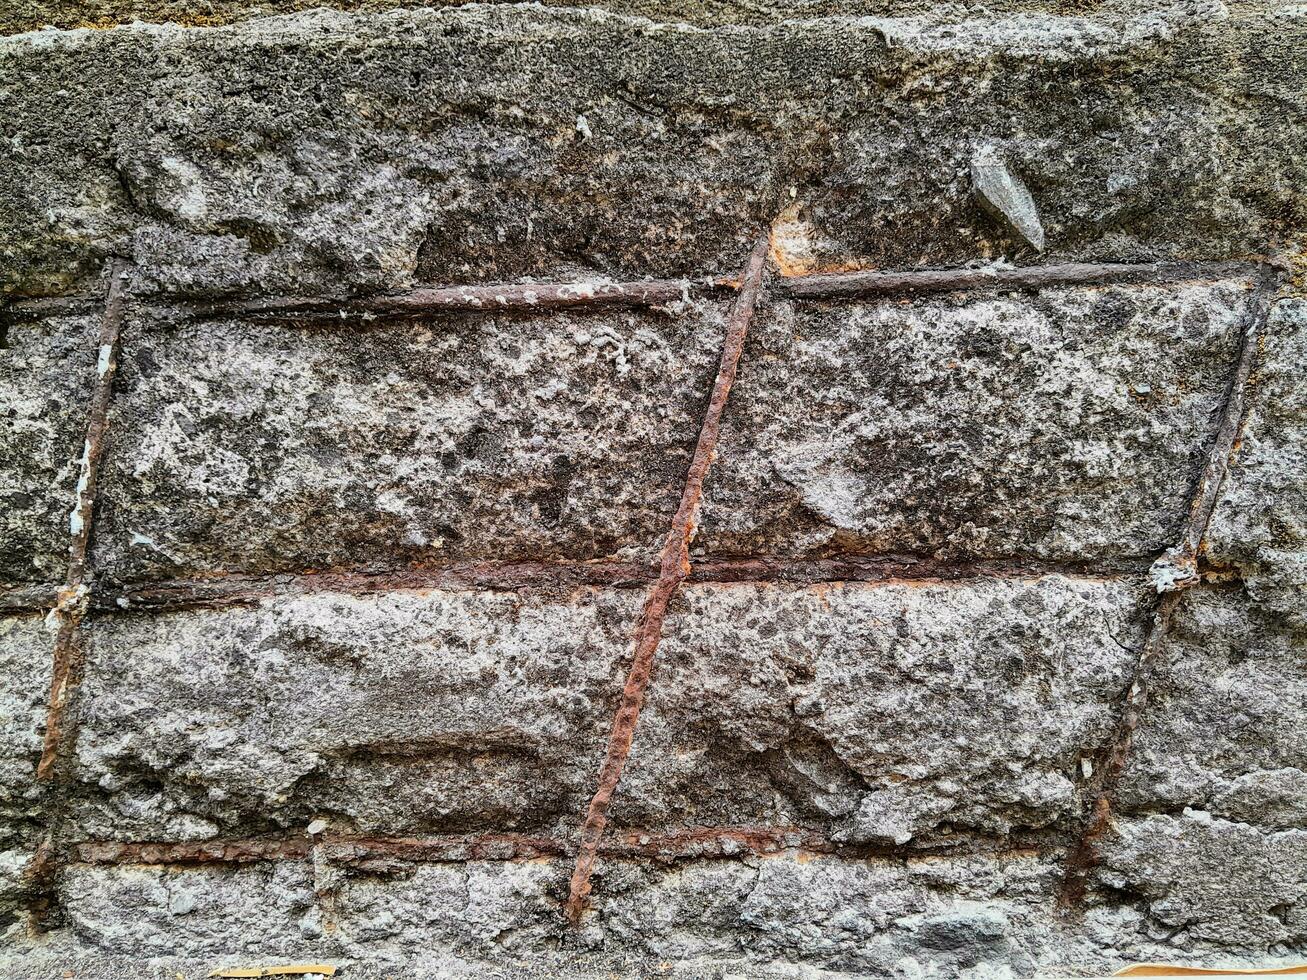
{"points": [[1225, 729], [389, 714], [46, 371], [255, 447], [1214, 881], [993, 426], [881, 713], [1260, 522], [1003, 195]]}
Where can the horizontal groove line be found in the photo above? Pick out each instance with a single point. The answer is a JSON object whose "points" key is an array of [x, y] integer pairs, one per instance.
{"points": [[656, 292], [871, 284], [505, 297], [245, 589], [514, 297], [378, 853]]}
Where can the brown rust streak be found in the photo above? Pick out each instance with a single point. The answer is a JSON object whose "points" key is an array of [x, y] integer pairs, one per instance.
{"points": [[866, 285], [675, 566], [1083, 855], [194, 852], [71, 606], [510, 297]]}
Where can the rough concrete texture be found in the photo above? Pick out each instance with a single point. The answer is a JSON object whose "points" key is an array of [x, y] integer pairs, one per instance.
{"points": [[47, 367], [26, 15], [1067, 426], [882, 714], [329, 151], [145, 912], [981, 916], [25, 662], [1260, 524], [408, 712], [242, 447], [363, 593], [1225, 731], [1212, 881]]}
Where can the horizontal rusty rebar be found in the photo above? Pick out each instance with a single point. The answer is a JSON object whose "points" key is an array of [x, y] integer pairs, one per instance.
{"points": [[40, 307], [29, 597], [527, 297], [194, 852], [380, 854], [243, 589], [873, 284], [509, 297]]}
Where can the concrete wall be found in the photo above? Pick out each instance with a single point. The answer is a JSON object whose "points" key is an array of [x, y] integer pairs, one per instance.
{"points": [[329, 601]]}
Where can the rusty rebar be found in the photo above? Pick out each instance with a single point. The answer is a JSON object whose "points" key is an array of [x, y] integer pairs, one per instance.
{"points": [[674, 567], [509, 297], [873, 284], [72, 600], [1175, 571]]}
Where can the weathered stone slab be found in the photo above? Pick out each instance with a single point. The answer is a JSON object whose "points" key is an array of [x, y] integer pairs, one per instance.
{"points": [[881, 713], [1225, 730], [386, 714], [263, 910], [776, 917], [1213, 881], [1260, 522], [256, 447], [1067, 425], [46, 371], [331, 152]]}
